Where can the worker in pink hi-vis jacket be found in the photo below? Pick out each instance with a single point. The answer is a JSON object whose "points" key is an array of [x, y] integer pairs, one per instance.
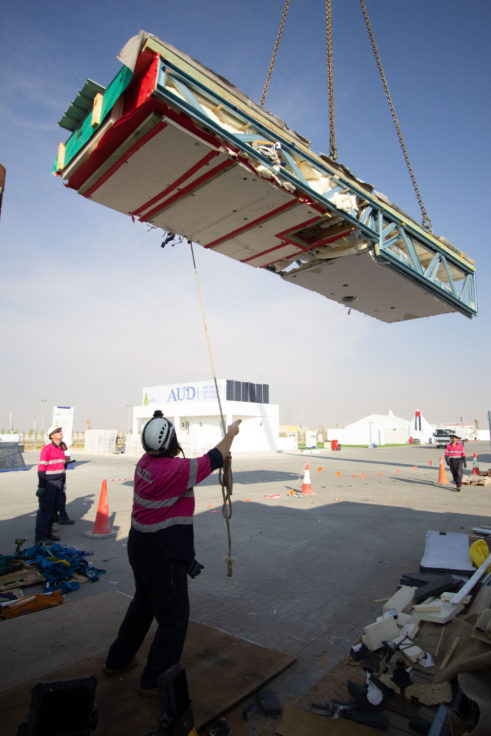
{"points": [[161, 549], [456, 460]]}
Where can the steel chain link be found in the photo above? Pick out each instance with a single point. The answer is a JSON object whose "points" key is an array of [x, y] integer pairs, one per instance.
{"points": [[275, 51], [426, 222]]}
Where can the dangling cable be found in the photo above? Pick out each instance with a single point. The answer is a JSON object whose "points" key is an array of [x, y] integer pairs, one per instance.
{"points": [[225, 474]]}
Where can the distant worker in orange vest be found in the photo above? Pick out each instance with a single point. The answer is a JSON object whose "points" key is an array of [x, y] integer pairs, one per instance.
{"points": [[455, 459]]}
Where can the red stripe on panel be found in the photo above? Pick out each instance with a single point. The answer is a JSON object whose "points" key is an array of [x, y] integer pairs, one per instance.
{"points": [[124, 158], [253, 223], [176, 183], [194, 185]]}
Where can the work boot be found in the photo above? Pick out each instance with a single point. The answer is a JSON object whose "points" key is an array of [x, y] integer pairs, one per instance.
{"points": [[66, 521], [116, 670], [52, 538]]}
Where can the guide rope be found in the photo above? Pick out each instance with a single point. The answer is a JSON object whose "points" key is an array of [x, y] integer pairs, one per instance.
{"points": [[426, 222], [225, 477]]}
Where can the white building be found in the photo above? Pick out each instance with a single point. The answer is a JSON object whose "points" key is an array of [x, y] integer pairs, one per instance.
{"points": [[194, 409], [382, 429]]}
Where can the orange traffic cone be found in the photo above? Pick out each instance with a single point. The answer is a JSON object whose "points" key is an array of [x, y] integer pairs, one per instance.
{"points": [[442, 476], [102, 525], [307, 486], [475, 466]]}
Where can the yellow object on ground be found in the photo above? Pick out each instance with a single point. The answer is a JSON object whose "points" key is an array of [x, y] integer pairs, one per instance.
{"points": [[478, 552]]}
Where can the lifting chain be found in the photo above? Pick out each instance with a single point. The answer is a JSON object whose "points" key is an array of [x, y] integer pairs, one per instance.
{"points": [[275, 51], [426, 222], [333, 151]]}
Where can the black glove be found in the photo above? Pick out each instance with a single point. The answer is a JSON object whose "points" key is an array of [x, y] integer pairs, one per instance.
{"points": [[447, 460], [194, 568], [40, 491], [465, 462]]}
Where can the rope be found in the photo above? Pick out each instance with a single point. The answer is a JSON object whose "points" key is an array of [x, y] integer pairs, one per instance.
{"points": [[426, 222], [333, 151], [275, 51], [225, 474]]}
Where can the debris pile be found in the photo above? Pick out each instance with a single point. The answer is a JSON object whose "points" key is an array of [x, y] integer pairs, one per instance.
{"points": [[59, 568], [424, 664]]}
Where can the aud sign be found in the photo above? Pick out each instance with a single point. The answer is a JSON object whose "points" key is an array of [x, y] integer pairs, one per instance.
{"points": [[182, 393]]}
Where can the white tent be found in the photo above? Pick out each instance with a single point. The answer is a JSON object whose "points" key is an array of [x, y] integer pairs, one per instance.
{"points": [[381, 429]]}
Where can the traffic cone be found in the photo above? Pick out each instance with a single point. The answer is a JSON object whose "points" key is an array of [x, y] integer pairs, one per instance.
{"points": [[102, 525], [475, 466], [442, 476], [307, 486]]}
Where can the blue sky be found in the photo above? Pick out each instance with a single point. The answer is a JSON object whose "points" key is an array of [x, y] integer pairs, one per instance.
{"points": [[92, 309]]}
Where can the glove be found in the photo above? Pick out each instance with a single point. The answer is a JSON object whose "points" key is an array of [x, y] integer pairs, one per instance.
{"points": [[40, 491], [465, 462], [194, 568], [447, 461]]}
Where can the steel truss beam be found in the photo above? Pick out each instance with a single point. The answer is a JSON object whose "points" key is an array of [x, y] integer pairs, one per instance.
{"points": [[397, 241]]}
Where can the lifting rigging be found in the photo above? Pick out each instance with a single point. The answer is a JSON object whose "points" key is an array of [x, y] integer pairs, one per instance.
{"points": [[236, 179]]}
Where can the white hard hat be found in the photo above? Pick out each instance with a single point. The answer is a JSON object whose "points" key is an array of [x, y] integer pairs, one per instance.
{"points": [[158, 434], [53, 428]]}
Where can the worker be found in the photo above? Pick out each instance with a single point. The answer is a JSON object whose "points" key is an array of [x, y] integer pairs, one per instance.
{"points": [[161, 549], [61, 516], [455, 459], [51, 481]]}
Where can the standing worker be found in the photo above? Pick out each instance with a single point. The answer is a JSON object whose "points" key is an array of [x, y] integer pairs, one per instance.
{"points": [[161, 549], [455, 459], [51, 484]]}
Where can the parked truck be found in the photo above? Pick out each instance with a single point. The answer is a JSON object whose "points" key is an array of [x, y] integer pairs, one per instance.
{"points": [[441, 435]]}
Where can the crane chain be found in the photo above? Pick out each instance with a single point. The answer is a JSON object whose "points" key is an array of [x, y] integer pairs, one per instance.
{"points": [[333, 151], [275, 51], [426, 222]]}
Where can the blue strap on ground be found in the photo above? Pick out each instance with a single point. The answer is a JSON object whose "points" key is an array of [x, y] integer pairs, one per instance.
{"points": [[58, 563]]}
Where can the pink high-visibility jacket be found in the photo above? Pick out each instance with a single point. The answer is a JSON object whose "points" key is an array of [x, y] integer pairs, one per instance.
{"points": [[455, 451], [52, 461], [163, 490]]}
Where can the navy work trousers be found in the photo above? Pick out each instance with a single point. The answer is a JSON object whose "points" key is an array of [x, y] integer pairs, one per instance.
{"points": [[161, 593], [47, 506], [456, 465]]}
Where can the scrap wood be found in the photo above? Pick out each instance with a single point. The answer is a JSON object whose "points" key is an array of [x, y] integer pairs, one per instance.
{"points": [[450, 653], [476, 480], [460, 595], [24, 577], [30, 603]]}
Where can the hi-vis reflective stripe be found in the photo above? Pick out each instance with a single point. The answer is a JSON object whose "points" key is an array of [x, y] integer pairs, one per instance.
{"points": [[187, 520], [58, 461], [193, 472], [56, 472], [163, 503]]}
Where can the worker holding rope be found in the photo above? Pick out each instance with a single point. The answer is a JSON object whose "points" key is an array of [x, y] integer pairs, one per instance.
{"points": [[161, 548]]}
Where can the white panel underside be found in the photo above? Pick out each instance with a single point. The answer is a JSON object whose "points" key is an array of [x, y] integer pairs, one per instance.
{"points": [[382, 292]]}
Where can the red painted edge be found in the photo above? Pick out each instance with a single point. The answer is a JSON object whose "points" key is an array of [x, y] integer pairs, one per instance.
{"points": [[124, 158], [202, 162], [194, 185], [253, 223]]}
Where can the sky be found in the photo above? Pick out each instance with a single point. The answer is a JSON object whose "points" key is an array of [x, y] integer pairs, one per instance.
{"points": [[93, 309]]}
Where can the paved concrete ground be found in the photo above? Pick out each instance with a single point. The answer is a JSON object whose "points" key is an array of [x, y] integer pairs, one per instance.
{"points": [[308, 570]]}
